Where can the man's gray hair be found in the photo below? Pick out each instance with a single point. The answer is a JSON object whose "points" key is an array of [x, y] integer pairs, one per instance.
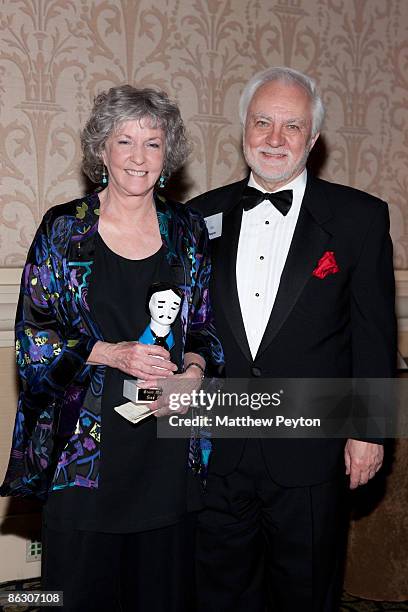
{"points": [[127, 103], [289, 76]]}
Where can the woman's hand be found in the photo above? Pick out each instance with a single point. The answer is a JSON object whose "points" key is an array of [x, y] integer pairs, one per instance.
{"points": [[145, 361]]}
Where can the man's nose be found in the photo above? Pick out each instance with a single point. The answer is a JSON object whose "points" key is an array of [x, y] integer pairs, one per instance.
{"points": [[275, 136]]}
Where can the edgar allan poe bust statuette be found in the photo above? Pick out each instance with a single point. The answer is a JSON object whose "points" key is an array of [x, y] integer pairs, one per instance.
{"points": [[163, 303]]}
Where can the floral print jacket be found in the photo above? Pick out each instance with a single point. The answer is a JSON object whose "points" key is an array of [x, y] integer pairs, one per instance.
{"points": [[58, 428]]}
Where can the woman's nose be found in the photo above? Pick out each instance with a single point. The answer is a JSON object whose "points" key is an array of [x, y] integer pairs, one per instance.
{"points": [[137, 154]]}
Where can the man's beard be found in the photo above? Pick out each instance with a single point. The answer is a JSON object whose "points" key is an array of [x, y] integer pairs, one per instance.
{"points": [[291, 171]]}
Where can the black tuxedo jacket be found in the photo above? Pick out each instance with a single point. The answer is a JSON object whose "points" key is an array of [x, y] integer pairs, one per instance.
{"points": [[337, 327]]}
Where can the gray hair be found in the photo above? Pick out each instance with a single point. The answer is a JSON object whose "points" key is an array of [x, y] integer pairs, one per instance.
{"points": [[127, 103], [289, 76]]}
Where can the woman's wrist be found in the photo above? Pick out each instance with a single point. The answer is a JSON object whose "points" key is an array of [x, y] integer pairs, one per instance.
{"points": [[196, 368], [101, 354]]}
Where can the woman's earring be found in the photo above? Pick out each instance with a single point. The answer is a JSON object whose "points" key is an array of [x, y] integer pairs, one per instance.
{"points": [[162, 181], [104, 176]]}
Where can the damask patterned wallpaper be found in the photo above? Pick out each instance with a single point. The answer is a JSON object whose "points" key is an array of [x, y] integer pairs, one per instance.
{"points": [[55, 55]]}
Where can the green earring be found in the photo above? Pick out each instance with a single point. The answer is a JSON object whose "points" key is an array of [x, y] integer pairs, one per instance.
{"points": [[104, 176], [162, 181]]}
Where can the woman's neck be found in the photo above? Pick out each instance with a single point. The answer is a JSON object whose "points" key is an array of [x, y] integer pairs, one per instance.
{"points": [[129, 225], [126, 210]]}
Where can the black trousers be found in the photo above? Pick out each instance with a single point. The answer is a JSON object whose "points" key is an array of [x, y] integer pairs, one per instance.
{"points": [[265, 547], [152, 571]]}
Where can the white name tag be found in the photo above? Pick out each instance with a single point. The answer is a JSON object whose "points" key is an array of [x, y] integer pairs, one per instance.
{"points": [[214, 225]]}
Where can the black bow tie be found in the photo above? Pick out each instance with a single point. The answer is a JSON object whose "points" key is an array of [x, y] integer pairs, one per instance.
{"points": [[282, 200]]}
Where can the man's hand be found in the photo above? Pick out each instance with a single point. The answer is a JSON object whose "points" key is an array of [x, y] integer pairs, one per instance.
{"points": [[363, 460], [178, 385]]}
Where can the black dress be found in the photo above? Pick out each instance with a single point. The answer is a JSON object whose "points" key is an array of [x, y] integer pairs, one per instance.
{"points": [[149, 475], [128, 544]]}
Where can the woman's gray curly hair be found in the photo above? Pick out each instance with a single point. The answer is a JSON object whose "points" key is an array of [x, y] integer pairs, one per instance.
{"points": [[127, 103]]}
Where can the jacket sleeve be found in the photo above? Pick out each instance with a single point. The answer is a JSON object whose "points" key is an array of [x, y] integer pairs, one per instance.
{"points": [[50, 352], [201, 333], [373, 303], [374, 329], [51, 348]]}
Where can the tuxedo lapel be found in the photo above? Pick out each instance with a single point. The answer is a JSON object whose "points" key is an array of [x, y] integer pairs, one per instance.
{"points": [[308, 244], [224, 258]]}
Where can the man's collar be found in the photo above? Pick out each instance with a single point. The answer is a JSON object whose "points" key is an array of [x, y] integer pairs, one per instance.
{"points": [[298, 183]]}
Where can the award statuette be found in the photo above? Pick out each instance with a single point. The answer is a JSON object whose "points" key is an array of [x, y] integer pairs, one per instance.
{"points": [[163, 304]]}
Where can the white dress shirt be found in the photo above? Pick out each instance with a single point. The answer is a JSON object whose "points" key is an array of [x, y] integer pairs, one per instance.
{"points": [[263, 247]]}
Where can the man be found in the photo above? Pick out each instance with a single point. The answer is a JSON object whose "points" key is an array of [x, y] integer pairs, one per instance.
{"points": [[302, 286]]}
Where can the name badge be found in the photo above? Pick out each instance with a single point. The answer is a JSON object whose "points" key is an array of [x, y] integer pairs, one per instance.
{"points": [[214, 225]]}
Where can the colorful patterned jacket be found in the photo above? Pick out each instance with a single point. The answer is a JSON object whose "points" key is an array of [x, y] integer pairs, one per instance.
{"points": [[58, 428]]}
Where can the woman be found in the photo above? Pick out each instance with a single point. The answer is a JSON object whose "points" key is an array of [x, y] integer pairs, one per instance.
{"points": [[117, 521]]}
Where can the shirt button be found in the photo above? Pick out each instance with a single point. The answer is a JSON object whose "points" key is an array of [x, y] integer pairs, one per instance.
{"points": [[262, 258], [256, 294], [266, 222]]}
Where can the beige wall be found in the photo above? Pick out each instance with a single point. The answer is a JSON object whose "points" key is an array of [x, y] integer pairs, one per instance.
{"points": [[19, 519], [55, 55], [8, 411]]}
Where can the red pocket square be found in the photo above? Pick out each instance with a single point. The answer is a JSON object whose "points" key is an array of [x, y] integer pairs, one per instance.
{"points": [[327, 265]]}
